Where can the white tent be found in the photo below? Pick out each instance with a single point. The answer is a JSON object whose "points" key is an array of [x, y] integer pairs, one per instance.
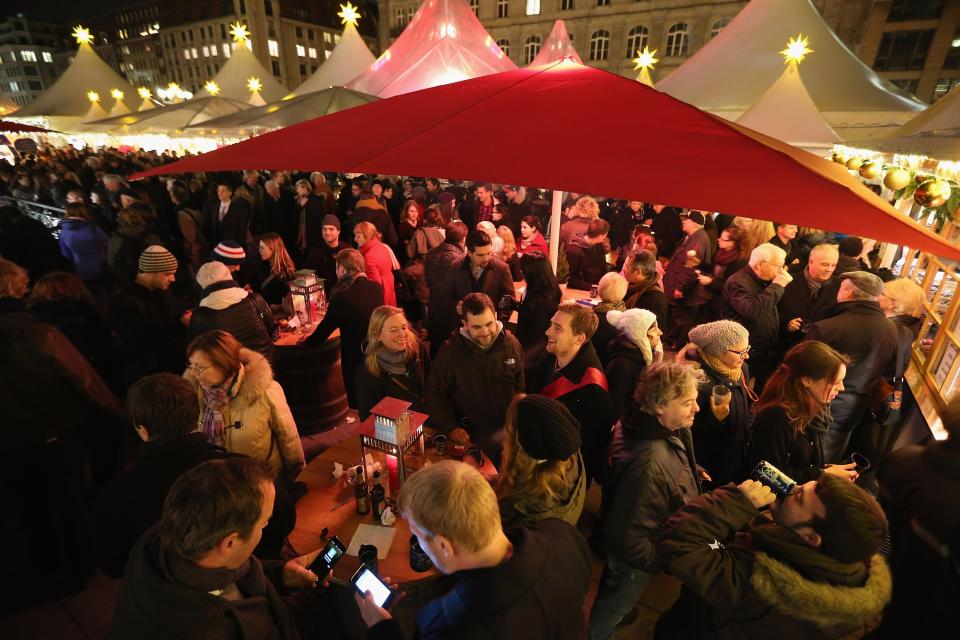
{"points": [[65, 103], [233, 76], [934, 133], [732, 71], [558, 46], [171, 118], [942, 117], [349, 59], [786, 112], [443, 43]]}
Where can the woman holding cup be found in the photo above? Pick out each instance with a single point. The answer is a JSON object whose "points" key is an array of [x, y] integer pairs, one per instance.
{"points": [[721, 349]]}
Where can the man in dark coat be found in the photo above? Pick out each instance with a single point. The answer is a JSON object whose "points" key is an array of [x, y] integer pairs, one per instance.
{"points": [[480, 272], [681, 280], [809, 297], [474, 378], [750, 297], [857, 328], [280, 213], [228, 217], [439, 267], [643, 286], [527, 582], [518, 206], [569, 371], [352, 301], [586, 256], [369, 209], [666, 225], [320, 256], [310, 214], [190, 576], [786, 238]]}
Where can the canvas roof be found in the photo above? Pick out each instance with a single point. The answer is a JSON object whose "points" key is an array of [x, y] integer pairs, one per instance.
{"points": [[349, 58], [443, 43], [172, 117], [943, 116], [786, 112], [557, 46], [232, 78], [68, 95], [735, 68]]}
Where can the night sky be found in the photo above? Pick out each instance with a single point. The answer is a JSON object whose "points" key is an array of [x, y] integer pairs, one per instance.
{"points": [[73, 10]]}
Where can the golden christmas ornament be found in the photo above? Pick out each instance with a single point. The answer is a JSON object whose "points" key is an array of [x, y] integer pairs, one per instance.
{"points": [[932, 194], [871, 170], [854, 163], [839, 158], [896, 179]]}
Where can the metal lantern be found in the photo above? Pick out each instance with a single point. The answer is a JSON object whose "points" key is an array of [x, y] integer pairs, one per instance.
{"points": [[394, 430], [306, 293]]}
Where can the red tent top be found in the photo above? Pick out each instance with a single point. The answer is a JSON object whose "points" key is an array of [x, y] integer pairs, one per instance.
{"points": [[574, 128], [6, 126]]}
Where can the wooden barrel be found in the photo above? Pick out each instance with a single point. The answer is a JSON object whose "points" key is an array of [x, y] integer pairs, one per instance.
{"points": [[313, 383]]}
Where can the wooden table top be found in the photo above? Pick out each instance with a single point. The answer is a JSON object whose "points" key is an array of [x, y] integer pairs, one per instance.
{"points": [[330, 503]]}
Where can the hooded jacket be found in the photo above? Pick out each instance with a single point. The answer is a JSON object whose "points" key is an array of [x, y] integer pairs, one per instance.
{"points": [[652, 473], [538, 593], [766, 582], [228, 307], [587, 261], [257, 419], [476, 384]]}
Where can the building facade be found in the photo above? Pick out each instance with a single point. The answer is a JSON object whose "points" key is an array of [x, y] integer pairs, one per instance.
{"points": [[915, 44], [129, 40], [28, 47], [608, 33]]}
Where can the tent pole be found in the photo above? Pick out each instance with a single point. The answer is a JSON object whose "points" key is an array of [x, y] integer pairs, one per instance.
{"points": [[555, 229]]}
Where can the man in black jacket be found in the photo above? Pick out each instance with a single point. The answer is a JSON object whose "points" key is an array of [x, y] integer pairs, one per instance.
{"points": [[439, 270], [352, 301], [279, 210], [229, 217], [681, 280], [320, 257], [480, 272], [193, 574], [529, 582], [786, 238], [643, 289], [750, 297], [587, 257], [858, 329], [666, 225], [569, 371], [809, 297], [309, 216]]}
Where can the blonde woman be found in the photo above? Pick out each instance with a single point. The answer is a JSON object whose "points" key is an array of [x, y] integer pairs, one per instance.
{"points": [[509, 252], [542, 473], [585, 211], [242, 408], [395, 363], [275, 270], [379, 261]]}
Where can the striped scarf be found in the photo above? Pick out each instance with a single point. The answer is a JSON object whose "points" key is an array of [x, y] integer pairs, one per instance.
{"points": [[215, 399]]}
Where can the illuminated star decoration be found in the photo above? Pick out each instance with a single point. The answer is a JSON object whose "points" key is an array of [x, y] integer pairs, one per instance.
{"points": [[82, 35], [116, 94], [645, 59], [796, 50], [349, 14], [93, 96], [144, 93], [212, 88], [254, 84], [239, 32]]}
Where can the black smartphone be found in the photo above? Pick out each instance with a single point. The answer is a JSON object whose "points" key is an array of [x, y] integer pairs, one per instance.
{"points": [[328, 557], [365, 580]]}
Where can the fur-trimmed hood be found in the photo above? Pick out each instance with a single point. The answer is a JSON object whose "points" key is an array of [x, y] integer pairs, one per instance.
{"points": [[822, 604], [252, 382]]}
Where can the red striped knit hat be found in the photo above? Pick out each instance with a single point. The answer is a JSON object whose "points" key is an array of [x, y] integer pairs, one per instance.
{"points": [[228, 252]]}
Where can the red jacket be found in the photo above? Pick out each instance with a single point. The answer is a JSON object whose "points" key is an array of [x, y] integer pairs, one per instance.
{"points": [[379, 268], [537, 243]]}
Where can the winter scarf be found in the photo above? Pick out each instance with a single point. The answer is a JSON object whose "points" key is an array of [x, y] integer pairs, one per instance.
{"points": [[603, 307], [725, 257], [221, 295], [346, 282], [215, 399], [393, 362], [714, 363]]}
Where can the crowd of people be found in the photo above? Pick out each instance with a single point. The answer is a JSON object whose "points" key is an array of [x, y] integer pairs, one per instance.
{"points": [[697, 347]]}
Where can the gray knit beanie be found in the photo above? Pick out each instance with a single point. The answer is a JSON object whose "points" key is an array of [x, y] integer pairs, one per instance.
{"points": [[715, 338]]}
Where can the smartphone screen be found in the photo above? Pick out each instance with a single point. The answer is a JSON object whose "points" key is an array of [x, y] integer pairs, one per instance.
{"points": [[329, 556], [366, 580]]}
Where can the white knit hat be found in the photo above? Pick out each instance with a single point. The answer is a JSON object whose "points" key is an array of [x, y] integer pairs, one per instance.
{"points": [[633, 324], [715, 338], [211, 273]]}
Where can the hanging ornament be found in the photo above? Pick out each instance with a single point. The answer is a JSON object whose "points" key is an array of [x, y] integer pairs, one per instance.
{"points": [[871, 170], [854, 163], [896, 179], [839, 158], [932, 193]]}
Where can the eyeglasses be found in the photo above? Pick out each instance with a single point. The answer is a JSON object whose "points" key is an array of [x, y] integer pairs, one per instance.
{"points": [[742, 354], [196, 368]]}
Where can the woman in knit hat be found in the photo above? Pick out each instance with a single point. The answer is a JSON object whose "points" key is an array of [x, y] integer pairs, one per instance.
{"points": [[636, 345], [542, 474], [721, 349]]}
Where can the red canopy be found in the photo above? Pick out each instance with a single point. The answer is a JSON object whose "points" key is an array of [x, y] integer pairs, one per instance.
{"points": [[574, 128], [6, 126]]}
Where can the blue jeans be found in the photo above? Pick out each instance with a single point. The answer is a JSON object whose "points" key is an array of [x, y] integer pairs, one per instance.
{"points": [[620, 587]]}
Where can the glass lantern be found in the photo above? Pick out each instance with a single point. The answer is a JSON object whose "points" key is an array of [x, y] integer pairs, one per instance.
{"points": [[306, 293]]}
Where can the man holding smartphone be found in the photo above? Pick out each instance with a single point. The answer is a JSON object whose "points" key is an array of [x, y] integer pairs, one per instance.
{"points": [[529, 582]]}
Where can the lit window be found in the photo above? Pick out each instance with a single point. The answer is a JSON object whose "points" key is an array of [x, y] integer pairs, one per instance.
{"points": [[193, 50], [186, 54], [28, 56], [677, 39], [47, 57], [273, 48], [226, 50], [533, 7], [213, 50], [312, 52], [637, 39], [206, 51], [301, 51], [326, 53], [599, 44], [327, 36], [531, 47], [336, 38]]}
